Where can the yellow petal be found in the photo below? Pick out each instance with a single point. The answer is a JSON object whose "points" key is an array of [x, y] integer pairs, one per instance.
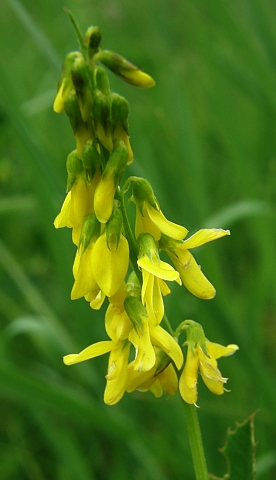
{"points": [[110, 268], [145, 354], [117, 373], [90, 352], [192, 276], [172, 230], [168, 380], [203, 236], [117, 323], [188, 378], [144, 224], [63, 218], [215, 386], [163, 270], [163, 340], [84, 277], [216, 351], [104, 196]]}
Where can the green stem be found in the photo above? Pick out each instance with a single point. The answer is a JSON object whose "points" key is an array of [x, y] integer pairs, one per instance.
{"points": [[195, 440], [129, 236]]}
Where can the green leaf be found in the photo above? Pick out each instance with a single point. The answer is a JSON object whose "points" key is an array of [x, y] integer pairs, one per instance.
{"points": [[239, 451]]}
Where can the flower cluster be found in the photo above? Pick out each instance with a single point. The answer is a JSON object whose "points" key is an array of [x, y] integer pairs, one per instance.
{"points": [[113, 262]]}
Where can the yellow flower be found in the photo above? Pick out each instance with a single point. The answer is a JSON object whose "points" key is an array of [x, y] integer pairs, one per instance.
{"points": [[110, 265], [117, 366], [207, 365], [190, 272], [154, 272], [149, 218], [161, 377]]}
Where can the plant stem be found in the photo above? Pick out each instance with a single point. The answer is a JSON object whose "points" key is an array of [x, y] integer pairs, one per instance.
{"points": [[195, 440]]}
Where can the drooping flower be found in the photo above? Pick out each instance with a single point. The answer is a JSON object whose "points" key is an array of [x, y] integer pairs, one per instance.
{"points": [[149, 218], [190, 272], [202, 356]]}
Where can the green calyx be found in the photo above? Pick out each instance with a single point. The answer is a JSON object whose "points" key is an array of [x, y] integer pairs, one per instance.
{"points": [[114, 228], [91, 229], [74, 168]]}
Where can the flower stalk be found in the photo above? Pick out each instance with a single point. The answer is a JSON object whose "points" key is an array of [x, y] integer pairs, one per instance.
{"points": [[123, 264]]}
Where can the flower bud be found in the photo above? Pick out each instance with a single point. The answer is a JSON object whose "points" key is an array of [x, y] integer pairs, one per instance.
{"points": [[111, 176], [74, 169], [65, 83], [102, 81], [120, 129], [81, 83], [83, 131], [125, 69], [102, 119], [93, 40], [114, 228], [91, 160]]}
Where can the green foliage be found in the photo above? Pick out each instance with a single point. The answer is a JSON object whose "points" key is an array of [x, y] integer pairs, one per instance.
{"points": [[205, 138]]}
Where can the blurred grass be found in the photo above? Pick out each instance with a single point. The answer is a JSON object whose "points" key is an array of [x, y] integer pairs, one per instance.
{"points": [[205, 138]]}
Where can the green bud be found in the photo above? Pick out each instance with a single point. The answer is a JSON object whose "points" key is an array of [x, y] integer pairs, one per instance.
{"points": [[81, 83], [135, 311], [125, 69], [65, 83], [102, 81], [72, 110], [91, 230], [114, 228], [142, 192], [92, 39], [83, 131], [102, 119], [91, 160], [119, 112], [74, 168]]}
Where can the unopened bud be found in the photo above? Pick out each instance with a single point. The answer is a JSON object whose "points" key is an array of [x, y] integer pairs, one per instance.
{"points": [[83, 131], [81, 83], [125, 69], [102, 119], [119, 114], [93, 40], [102, 81]]}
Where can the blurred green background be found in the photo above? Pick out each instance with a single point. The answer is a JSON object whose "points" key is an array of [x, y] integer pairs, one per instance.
{"points": [[205, 138]]}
